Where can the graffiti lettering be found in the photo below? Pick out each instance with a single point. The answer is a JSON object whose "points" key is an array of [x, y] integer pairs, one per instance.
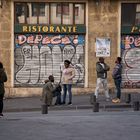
{"points": [[38, 56], [131, 61], [36, 39]]}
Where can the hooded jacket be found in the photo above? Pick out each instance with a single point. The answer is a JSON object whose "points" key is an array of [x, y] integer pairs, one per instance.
{"points": [[3, 78]]}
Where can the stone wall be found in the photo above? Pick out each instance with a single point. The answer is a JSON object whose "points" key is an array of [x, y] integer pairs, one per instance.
{"points": [[103, 21], [5, 39]]}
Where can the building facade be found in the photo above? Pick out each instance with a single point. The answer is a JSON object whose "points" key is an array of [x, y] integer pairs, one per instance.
{"points": [[37, 36]]}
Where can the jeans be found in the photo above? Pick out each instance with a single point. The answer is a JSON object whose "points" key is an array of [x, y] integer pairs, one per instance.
{"points": [[67, 87], [104, 83], [118, 87], [57, 94]]}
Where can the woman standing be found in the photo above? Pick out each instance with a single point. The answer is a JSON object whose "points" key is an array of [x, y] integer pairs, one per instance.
{"points": [[68, 74]]}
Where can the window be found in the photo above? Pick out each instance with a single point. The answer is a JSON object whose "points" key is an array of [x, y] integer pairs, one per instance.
{"points": [[131, 18], [138, 14], [67, 17], [49, 13], [79, 10], [56, 13], [20, 13]]}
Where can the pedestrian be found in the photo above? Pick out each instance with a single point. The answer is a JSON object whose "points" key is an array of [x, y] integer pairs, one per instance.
{"points": [[116, 74], [68, 73], [102, 68], [3, 78], [50, 90]]}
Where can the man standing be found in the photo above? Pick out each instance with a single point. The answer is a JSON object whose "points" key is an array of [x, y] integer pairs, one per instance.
{"points": [[116, 74], [101, 69], [3, 78]]}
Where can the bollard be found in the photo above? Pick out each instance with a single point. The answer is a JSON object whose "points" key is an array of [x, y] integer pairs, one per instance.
{"points": [[94, 99], [128, 98], [44, 108], [136, 105], [96, 107]]}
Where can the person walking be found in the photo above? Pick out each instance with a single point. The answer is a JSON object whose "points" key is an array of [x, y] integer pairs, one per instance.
{"points": [[3, 78], [101, 69], [68, 73], [116, 74]]}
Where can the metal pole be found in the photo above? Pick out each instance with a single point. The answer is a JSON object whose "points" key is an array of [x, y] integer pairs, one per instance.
{"points": [[96, 107], [128, 98]]}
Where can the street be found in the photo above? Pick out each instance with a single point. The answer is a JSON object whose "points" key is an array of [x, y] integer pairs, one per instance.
{"points": [[71, 125]]}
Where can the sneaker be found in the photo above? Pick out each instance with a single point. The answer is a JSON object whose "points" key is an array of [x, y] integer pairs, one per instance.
{"points": [[117, 100], [69, 103]]}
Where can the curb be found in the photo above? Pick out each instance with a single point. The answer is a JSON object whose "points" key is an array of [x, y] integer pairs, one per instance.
{"points": [[71, 107]]}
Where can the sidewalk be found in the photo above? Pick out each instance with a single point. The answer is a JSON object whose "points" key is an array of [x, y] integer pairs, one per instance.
{"points": [[79, 102]]}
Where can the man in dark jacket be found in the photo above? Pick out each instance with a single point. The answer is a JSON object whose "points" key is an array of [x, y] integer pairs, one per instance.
{"points": [[101, 69], [3, 78], [116, 74]]}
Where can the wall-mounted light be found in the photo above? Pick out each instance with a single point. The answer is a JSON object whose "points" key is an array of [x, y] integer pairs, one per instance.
{"points": [[1, 3]]}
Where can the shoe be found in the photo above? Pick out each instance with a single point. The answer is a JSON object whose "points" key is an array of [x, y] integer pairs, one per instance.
{"points": [[69, 103], [117, 100]]}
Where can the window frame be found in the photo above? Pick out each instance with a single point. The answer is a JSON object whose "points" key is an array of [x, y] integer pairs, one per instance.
{"points": [[49, 17]]}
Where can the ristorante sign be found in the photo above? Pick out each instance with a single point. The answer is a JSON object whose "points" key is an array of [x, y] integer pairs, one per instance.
{"points": [[64, 29]]}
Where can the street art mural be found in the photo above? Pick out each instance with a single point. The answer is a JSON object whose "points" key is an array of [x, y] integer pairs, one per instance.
{"points": [[130, 49], [38, 56]]}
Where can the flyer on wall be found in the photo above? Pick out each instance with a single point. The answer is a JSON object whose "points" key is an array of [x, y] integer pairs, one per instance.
{"points": [[102, 47]]}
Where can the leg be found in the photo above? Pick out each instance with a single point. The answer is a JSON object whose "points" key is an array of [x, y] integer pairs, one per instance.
{"points": [[1, 104], [58, 98], [97, 87], [118, 87], [106, 88], [69, 86], [64, 93]]}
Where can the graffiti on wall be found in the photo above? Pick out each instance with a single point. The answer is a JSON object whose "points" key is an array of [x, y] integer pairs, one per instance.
{"points": [[130, 46], [38, 56]]}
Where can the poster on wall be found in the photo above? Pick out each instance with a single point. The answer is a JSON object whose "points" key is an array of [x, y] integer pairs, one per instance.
{"points": [[102, 47]]}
